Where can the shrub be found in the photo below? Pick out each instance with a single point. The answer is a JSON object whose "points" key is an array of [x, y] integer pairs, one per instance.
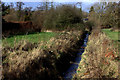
{"points": [[63, 17], [37, 19], [89, 25], [12, 16]]}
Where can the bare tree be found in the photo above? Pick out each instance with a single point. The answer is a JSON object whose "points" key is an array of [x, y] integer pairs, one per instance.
{"points": [[43, 5], [19, 9]]}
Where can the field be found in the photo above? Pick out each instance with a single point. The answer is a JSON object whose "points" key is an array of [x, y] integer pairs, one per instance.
{"points": [[34, 38], [113, 35]]}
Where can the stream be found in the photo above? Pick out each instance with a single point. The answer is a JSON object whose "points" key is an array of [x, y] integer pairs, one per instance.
{"points": [[74, 65]]}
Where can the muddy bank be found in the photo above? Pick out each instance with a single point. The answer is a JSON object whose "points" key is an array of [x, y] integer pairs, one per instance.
{"points": [[44, 60]]}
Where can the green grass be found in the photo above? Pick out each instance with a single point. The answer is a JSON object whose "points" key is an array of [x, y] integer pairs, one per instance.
{"points": [[113, 35], [34, 38]]}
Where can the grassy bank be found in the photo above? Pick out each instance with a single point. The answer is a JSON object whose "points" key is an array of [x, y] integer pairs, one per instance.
{"points": [[31, 61], [100, 59], [113, 35], [33, 38]]}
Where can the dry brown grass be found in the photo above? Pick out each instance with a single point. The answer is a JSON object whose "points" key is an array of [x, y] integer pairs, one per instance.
{"points": [[37, 61], [99, 58]]}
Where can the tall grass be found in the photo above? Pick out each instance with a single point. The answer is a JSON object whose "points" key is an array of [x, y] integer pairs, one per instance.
{"points": [[100, 59], [40, 61]]}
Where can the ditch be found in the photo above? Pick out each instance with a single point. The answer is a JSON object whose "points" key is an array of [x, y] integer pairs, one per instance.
{"points": [[74, 65]]}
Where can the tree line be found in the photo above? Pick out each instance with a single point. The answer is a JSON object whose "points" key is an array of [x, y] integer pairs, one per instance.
{"points": [[105, 14], [46, 15], [60, 17]]}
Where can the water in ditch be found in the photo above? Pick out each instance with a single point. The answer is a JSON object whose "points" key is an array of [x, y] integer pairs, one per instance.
{"points": [[74, 65]]}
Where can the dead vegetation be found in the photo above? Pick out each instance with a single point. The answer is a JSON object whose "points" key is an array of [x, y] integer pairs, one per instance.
{"points": [[99, 58], [30, 61]]}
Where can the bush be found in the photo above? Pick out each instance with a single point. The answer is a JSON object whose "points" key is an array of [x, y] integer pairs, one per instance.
{"points": [[63, 17], [37, 19], [12, 16], [89, 25]]}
